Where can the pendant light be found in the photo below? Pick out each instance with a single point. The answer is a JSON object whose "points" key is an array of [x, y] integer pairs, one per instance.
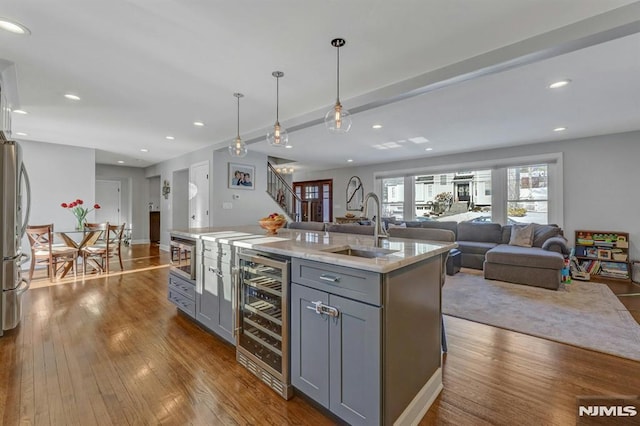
{"points": [[278, 136], [238, 148], [338, 119]]}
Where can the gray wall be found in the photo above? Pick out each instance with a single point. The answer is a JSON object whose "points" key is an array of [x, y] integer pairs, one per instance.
{"points": [[134, 190], [600, 180], [58, 174]]}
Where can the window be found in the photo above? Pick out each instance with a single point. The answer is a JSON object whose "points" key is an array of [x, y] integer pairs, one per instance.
{"points": [[527, 194], [500, 190], [392, 198]]}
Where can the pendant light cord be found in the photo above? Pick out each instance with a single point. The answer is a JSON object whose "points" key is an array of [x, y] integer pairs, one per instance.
{"points": [[277, 99], [238, 117], [338, 74]]}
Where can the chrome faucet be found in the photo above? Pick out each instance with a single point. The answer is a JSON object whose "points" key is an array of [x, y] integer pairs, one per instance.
{"points": [[378, 231]]}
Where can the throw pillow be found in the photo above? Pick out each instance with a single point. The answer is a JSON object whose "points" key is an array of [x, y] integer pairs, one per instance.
{"points": [[521, 235]]}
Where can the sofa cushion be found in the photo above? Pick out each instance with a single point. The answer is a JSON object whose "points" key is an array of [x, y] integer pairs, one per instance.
{"points": [[542, 233], [450, 225], [506, 234], [475, 247], [533, 257], [485, 232], [521, 235], [557, 244]]}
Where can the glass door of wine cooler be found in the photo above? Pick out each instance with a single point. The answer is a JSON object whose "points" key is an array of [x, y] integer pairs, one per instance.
{"points": [[262, 318]]}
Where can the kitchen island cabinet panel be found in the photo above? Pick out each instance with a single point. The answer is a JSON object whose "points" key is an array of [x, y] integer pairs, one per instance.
{"points": [[309, 344], [354, 361], [214, 299]]}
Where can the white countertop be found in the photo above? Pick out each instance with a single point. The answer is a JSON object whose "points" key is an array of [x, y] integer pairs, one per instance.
{"points": [[316, 245]]}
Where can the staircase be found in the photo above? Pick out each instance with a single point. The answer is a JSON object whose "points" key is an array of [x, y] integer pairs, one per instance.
{"points": [[292, 206]]}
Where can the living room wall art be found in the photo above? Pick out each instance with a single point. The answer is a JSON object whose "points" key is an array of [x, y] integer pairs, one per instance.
{"points": [[241, 176]]}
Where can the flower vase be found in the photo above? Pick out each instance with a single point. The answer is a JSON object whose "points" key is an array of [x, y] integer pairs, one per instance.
{"points": [[79, 224]]}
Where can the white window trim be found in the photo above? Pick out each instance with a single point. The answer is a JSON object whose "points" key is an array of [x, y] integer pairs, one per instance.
{"points": [[498, 182]]}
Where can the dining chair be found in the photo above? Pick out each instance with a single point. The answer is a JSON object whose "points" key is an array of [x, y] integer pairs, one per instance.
{"points": [[430, 234], [94, 254], [44, 252], [108, 246]]}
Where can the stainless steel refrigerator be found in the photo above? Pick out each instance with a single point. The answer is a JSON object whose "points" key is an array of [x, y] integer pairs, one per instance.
{"points": [[14, 192]]}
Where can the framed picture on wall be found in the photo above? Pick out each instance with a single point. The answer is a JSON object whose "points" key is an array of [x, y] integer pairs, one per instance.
{"points": [[241, 176]]}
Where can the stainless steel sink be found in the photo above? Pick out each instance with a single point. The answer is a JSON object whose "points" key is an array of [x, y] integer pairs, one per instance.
{"points": [[367, 252]]}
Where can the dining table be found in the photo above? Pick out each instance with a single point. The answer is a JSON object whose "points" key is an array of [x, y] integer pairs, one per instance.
{"points": [[82, 239]]}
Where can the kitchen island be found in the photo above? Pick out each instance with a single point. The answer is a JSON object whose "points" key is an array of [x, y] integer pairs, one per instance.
{"points": [[365, 320]]}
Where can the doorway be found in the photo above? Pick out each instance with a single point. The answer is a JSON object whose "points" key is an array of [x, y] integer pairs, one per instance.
{"points": [[199, 195], [318, 195], [108, 196]]}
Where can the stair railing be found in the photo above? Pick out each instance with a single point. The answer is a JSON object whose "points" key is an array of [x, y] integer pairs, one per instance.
{"points": [[295, 208]]}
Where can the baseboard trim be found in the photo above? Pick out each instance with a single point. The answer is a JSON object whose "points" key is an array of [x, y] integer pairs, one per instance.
{"points": [[419, 406]]}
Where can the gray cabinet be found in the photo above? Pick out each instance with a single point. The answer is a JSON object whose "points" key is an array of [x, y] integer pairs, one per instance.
{"points": [[182, 294], [215, 292], [336, 341]]}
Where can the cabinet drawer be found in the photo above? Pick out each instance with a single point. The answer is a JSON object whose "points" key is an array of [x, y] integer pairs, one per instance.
{"points": [[185, 287], [212, 250], [182, 302], [364, 286]]}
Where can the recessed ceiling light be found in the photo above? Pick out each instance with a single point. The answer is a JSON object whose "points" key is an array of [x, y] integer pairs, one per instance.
{"points": [[419, 139], [144, 150], [72, 97], [377, 126], [120, 162], [350, 160], [428, 149], [13, 27], [169, 138], [288, 146], [559, 129], [20, 111], [21, 134], [198, 123], [559, 84]]}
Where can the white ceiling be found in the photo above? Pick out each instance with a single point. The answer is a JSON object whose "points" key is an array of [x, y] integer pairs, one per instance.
{"points": [[146, 69]]}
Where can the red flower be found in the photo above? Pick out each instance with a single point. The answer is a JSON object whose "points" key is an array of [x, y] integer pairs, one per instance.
{"points": [[64, 205], [96, 206], [79, 202]]}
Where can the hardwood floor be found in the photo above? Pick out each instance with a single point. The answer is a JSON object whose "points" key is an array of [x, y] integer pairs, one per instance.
{"points": [[113, 350]]}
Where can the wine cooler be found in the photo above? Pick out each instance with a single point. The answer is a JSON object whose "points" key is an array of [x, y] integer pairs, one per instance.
{"points": [[262, 319]]}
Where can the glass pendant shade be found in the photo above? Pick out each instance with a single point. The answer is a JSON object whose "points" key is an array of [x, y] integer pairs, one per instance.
{"points": [[238, 148], [278, 136], [338, 119]]}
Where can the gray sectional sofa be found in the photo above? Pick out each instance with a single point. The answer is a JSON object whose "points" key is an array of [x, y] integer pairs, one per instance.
{"points": [[486, 246]]}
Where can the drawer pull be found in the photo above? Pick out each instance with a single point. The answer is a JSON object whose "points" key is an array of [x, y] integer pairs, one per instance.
{"points": [[330, 278], [321, 308]]}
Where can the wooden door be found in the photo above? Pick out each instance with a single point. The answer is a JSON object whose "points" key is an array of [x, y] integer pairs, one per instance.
{"points": [[318, 200]]}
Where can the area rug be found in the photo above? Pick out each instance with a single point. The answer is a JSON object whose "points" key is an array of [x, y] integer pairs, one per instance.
{"points": [[583, 314]]}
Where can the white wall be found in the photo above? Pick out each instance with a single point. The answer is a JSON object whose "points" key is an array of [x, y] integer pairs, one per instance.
{"points": [[154, 191], [250, 205], [601, 175], [134, 193]]}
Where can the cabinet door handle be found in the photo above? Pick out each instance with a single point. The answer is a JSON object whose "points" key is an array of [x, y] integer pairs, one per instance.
{"points": [[330, 278], [321, 309]]}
